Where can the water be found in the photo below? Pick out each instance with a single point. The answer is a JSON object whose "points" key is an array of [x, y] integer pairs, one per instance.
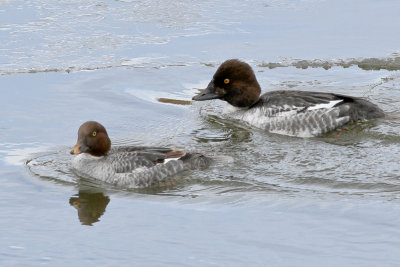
{"points": [[134, 66]]}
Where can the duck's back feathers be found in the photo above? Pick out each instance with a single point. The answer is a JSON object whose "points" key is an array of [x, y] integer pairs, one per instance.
{"points": [[298, 99], [126, 159], [140, 148], [356, 108]]}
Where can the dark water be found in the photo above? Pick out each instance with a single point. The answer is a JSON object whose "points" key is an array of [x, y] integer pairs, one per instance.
{"points": [[134, 66]]}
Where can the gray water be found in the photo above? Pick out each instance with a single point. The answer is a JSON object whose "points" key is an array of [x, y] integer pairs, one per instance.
{"points": [[134, 66]]}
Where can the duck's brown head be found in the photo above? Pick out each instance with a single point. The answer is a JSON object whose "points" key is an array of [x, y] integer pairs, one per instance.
{"points": [[92, 139], [235, 82]]}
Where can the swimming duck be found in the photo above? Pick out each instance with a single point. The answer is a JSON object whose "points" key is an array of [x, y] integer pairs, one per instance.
{"points": [[130, 167], [288, 112]]}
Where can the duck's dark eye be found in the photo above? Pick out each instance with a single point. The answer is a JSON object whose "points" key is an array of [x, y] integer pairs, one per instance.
{"points": [[226, 81], [94, 133]]}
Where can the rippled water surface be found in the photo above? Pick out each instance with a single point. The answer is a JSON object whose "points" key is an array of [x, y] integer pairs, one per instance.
{"points": [[134, 66]]}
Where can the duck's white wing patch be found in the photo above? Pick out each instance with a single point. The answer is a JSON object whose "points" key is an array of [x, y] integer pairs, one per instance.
{"points": [[168, 160], [331, 104]]}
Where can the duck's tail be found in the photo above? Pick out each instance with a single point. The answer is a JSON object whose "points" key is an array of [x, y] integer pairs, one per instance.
{"points": [[193, 161]]}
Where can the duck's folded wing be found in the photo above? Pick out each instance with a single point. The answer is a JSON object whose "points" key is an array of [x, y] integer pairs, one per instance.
{"points": [[152, 153], [140, 148], [298, 100], [141, 157], [128, 161], [148, 176], [356, 108]]}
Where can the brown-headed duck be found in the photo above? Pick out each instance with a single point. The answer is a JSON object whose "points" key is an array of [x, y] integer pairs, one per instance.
{"points": [[288, 112], [130, 166]]}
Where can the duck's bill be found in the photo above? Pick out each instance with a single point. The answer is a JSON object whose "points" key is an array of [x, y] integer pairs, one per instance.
{"points": [[79, 148], [207, 94]]}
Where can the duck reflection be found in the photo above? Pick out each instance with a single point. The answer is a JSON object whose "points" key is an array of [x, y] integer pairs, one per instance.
{"points": [[90, 205]]}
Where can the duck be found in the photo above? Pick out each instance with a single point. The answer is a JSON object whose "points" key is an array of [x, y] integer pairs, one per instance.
{"points": [[129, 166], [287, 112]]}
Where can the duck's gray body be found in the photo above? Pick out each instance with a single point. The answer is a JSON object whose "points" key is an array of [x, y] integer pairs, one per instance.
{"points": [[136, 167], [305, 114]]}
